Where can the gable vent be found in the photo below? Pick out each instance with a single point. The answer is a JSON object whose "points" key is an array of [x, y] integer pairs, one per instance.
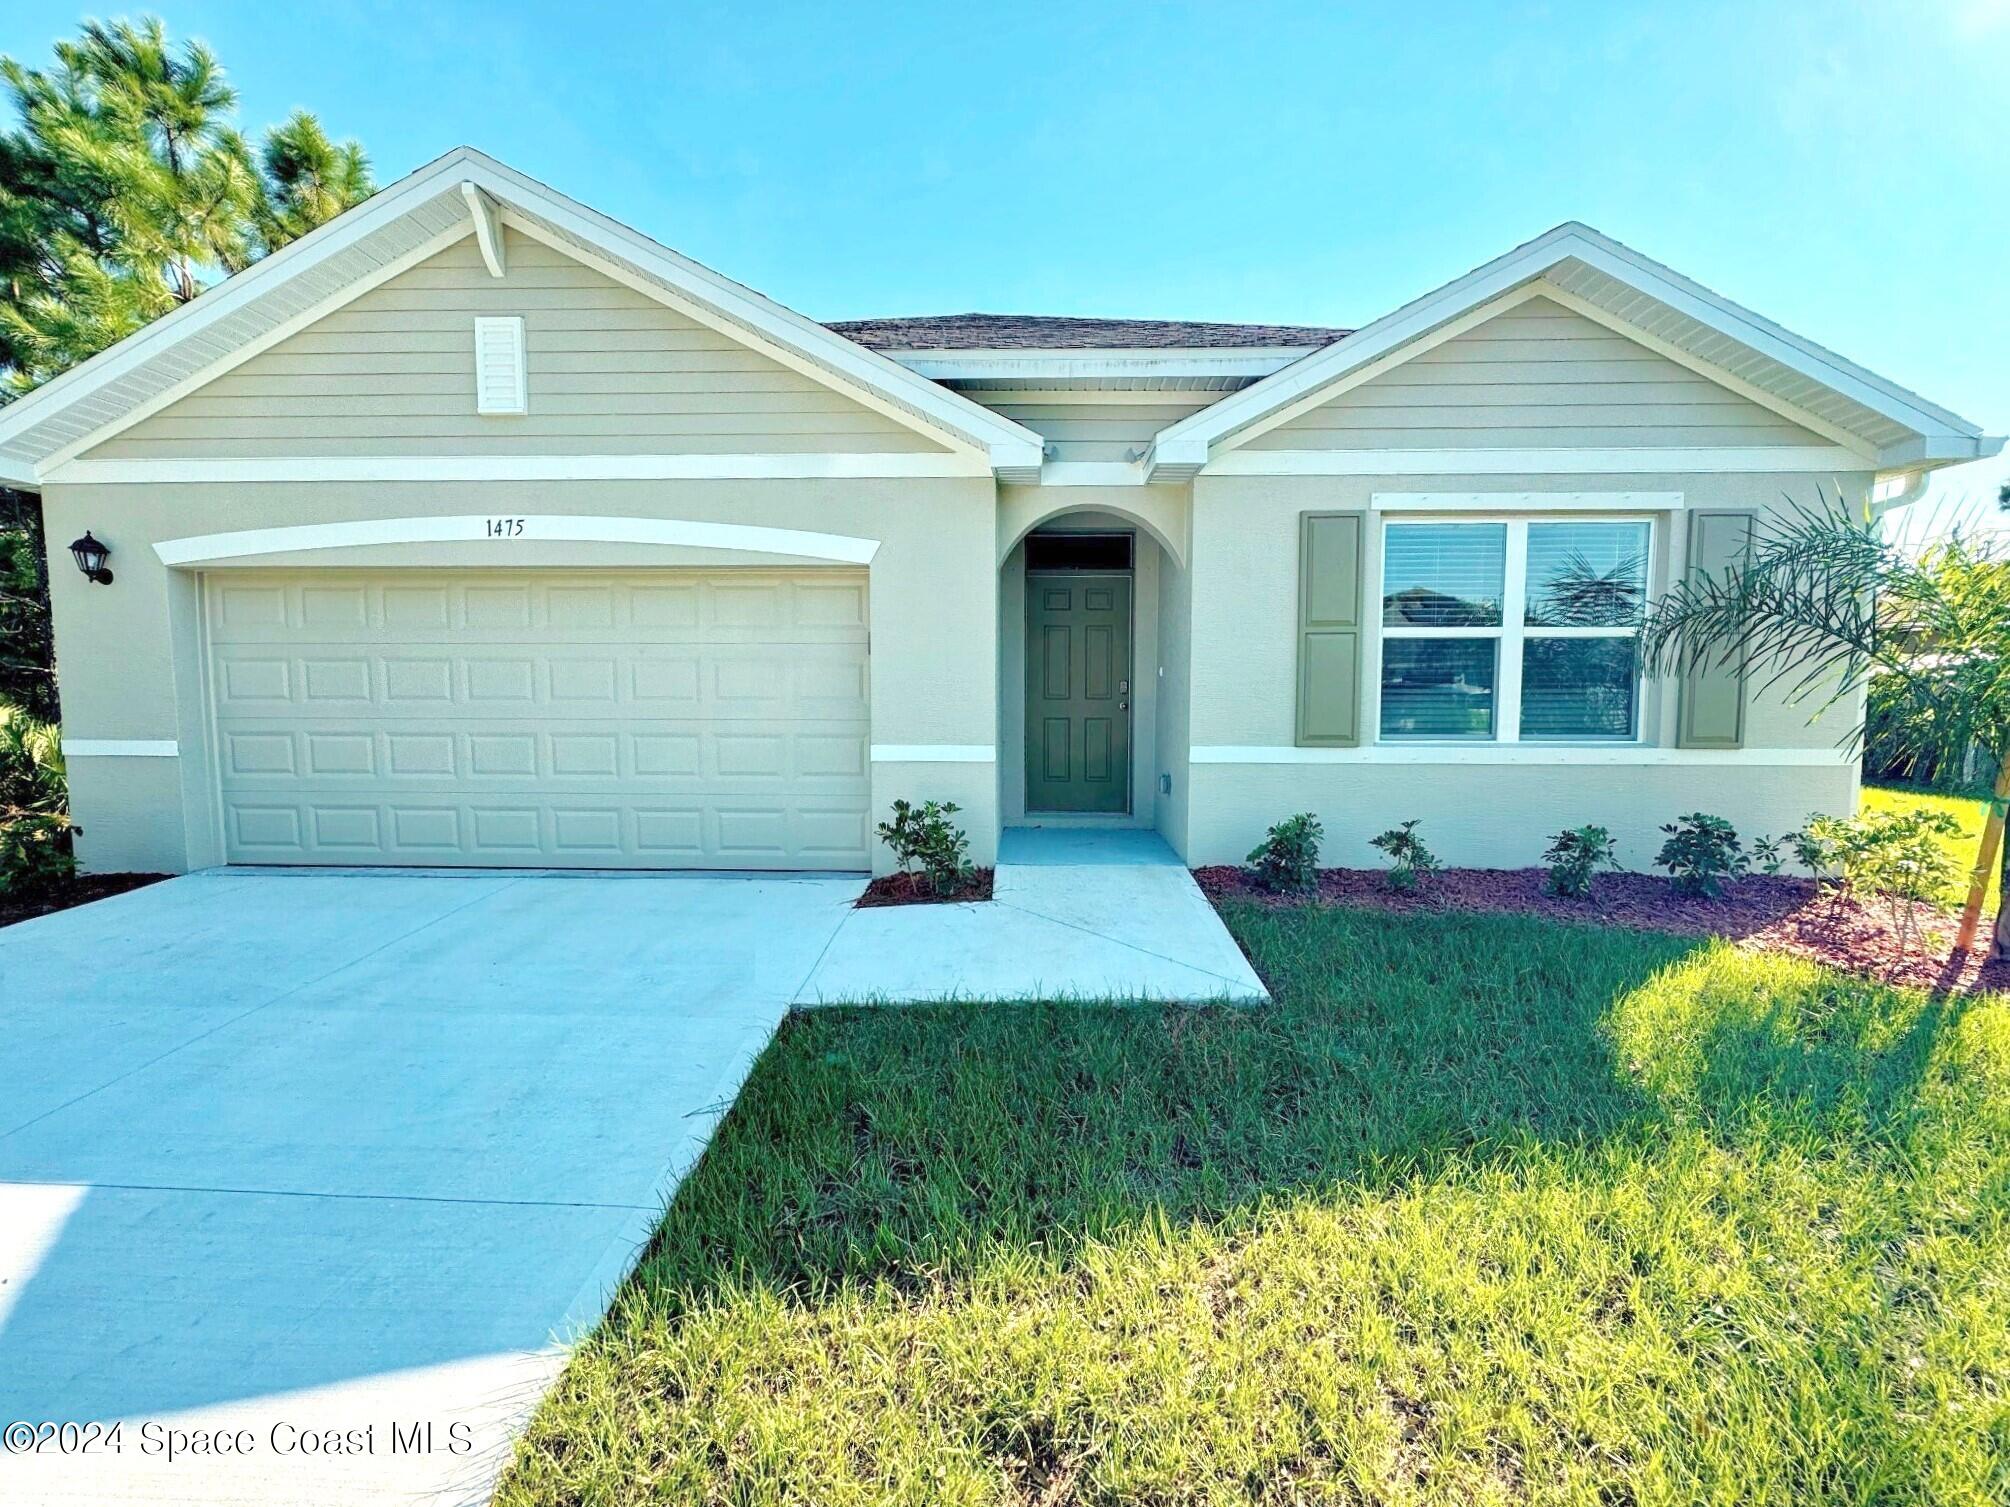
{"points": [[500, 386]]}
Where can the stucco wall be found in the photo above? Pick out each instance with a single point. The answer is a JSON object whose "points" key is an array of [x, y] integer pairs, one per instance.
{"points": [[1244, 634], [127, 657]]}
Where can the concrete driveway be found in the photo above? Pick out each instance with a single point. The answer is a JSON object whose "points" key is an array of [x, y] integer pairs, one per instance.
{"points": [[302, 1173]]}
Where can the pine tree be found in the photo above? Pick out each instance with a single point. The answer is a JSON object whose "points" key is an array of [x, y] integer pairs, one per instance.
{"points": [[126, 191]]}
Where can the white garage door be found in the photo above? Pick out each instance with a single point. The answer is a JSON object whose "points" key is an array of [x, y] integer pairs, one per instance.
{"points": [[675, 719]]}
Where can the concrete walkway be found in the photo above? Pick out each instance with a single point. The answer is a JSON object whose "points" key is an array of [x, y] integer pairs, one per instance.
{"points": [[318, 1156], [1075, 914]]}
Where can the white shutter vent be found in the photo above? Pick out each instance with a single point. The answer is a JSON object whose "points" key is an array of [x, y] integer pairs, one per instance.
{"points": [[500, 386]]}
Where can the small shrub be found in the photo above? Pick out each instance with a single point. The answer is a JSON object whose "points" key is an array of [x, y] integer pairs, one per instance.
{"points": [[1899, 856], [1574, 855], [35, 856], [1770, 854], [923, 837], [1702, 855], [1410, 862], [1287, 860]]}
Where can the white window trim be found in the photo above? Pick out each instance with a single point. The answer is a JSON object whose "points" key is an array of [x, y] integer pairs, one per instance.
{"points": [[1510, 635]]}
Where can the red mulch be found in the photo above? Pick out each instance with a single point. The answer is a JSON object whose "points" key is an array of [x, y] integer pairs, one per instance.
{"points": [[79, 891], [1768, 914], [914, 889]]}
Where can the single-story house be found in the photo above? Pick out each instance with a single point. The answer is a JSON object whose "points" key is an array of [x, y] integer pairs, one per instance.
{"points": [[476, 528]]}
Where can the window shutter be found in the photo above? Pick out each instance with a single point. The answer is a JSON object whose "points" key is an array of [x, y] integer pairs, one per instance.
{"points": [[500, 385], [1329, 629], [1713, 692]]}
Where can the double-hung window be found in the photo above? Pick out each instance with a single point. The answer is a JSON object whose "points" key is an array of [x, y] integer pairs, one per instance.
{"points": [[1513, 630]]}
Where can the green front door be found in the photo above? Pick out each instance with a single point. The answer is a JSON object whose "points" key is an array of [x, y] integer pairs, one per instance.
{"points": [[1078, 692]]}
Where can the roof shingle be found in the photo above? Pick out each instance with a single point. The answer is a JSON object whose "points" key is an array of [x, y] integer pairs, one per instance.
{"points": [[1033, 332]]}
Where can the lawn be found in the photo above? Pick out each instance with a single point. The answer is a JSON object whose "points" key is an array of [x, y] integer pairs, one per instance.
{"points": [[1970, 811], [1486, 1209]]}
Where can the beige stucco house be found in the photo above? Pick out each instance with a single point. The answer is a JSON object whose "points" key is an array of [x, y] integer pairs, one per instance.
{"points": [[478, 529]]}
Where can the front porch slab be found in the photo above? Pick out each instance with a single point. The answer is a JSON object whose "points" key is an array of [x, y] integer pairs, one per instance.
{"points": [[1075, 914]]}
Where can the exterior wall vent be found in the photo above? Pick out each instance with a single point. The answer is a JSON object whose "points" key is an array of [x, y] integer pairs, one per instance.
{"points": [[500, 385]]}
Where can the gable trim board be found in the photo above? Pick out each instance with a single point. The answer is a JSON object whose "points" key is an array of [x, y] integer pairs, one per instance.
{"points": [[804, 466], [1183, 448], [1481, 462], [570, 227]]}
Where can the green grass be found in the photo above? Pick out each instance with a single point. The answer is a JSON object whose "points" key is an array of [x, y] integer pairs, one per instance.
{"points": [[1970, 811], [1483, 1210]]}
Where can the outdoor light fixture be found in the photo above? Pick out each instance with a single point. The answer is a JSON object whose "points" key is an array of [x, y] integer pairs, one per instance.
{"points": [[90, 555]]}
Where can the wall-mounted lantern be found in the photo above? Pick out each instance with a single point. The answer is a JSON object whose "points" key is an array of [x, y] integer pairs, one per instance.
{"points": [[90, 556]]}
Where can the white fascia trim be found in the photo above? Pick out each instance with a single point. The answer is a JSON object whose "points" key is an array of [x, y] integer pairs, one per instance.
{"points": [[1009, 445], [1092, 473], [972, 422], [1832, 459], [508, 534], [1177, 444], [234, 292], [1165, 361], [1437, 754], [1815, 362], [933, 753], [1946, 450], [121, 748], [1526, 502], [364, 468], [51, 465]]}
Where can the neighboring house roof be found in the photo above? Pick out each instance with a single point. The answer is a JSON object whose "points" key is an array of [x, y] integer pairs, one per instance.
{"points": [[462, 192], [1056, 332], [1892, 428]]}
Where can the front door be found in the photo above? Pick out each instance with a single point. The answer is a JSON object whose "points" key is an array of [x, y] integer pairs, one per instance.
{"points": [[1078, 692]]}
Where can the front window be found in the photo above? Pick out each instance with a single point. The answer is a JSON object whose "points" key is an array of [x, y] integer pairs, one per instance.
{"points": [[1513, 631]]}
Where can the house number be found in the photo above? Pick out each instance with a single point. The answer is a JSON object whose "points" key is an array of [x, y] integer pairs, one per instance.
{"points": [[505, 528]]}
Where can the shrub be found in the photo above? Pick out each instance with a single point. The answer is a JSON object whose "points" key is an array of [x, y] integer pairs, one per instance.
{"points": [[1287, 860], [1814, 848], [35, 856], [1769, 854], [1410, 862], [1574, 855], [1702, 855], [1900, 856], [35, 853], [924, 837]]}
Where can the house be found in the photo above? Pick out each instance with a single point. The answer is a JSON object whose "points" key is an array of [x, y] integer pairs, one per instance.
{"points": [[478, 529]]}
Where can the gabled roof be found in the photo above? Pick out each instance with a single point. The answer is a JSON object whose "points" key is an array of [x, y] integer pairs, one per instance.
{"points": [[1894, 429], [1061, 332], [415, 216]]}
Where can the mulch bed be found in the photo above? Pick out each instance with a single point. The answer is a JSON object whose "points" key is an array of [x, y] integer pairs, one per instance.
{"points": [[79, 891], [914, 889], [1769, 914]]}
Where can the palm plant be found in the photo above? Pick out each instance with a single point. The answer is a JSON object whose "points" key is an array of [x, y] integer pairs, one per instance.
{"points": [[1822, 602]]}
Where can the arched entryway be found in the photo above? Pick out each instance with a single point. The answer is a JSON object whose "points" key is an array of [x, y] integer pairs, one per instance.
{"points": [[1084, 682]]}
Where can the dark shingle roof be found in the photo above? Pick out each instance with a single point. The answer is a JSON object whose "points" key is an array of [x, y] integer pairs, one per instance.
{"points": [[1034, 332]]}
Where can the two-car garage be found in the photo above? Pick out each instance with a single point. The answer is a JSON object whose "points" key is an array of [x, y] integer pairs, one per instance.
{"points": [[541, 718]]}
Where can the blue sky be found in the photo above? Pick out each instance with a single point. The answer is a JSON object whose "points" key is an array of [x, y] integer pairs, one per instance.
{"points": [[1838, 166]]}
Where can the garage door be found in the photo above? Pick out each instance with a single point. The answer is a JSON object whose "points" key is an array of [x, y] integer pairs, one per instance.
{"points": [[675, 719]]}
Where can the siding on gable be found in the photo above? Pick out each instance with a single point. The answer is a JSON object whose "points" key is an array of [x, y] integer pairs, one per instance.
{"points": [[1537, 376], [611, 372], [1098, 431]]}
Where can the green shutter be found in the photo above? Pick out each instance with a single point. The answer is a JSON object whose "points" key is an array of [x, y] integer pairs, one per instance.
{"points": [[1713, 692], [1329, 629]]}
